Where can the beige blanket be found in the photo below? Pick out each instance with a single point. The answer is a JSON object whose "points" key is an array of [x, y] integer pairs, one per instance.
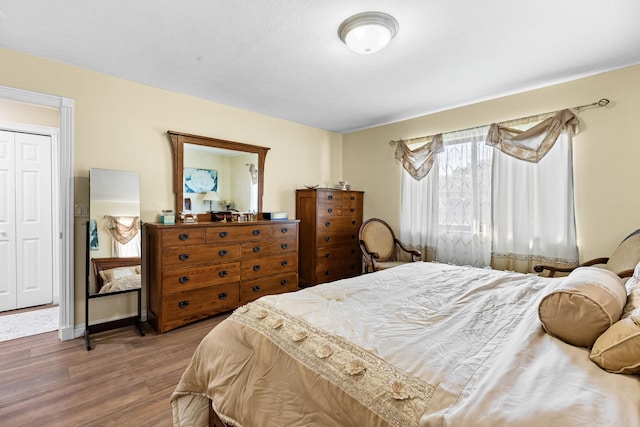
{"points": [[423, 344]]}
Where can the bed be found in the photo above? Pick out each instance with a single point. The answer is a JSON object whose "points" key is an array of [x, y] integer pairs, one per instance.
{"points": [[422, 344], [116, 274]]}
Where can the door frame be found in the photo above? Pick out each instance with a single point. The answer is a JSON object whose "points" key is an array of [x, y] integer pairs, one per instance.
{"points": [[62, 195]]}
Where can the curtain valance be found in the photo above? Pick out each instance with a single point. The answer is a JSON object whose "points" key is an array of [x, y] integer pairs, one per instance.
{"points": [[529, 145], [122, 229], [418, 162], [532, 144]]}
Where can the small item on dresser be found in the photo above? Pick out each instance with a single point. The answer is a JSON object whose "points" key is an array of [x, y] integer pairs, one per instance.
{"points": [[275, 215], [188, 218], [167, 217]]}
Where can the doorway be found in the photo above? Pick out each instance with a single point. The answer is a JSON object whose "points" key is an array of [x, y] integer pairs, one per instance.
{"points": [[61, 191]]}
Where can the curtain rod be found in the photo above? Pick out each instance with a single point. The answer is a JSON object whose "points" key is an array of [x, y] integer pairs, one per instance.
{"points": [[600, 103]]}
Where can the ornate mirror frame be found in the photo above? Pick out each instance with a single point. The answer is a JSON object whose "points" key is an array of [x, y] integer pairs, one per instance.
{"points": [[178, 140]]}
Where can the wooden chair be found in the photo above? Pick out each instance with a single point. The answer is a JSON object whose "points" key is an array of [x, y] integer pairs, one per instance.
{"points": [[622, 262], [379, 246]]}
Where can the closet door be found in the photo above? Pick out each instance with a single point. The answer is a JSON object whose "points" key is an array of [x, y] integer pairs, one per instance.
{"points": [[25, 221], [8, 300]]}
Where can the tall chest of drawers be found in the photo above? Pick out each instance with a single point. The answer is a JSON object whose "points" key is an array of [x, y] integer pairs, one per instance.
{"points": [[329, 223], [193, 271]]}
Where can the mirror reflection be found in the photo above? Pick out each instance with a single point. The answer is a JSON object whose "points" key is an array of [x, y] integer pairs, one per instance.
{"points": [[217, 179], [114, 230]]}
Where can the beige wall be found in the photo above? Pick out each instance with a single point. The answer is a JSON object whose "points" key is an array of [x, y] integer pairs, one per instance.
{"points": [[606, 153], [121, 125]]}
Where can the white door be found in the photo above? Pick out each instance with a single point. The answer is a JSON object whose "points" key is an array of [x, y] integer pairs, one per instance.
{"points": [[25, 221]]}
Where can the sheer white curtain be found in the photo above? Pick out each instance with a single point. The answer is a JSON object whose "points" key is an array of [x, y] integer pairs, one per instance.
{"points": [[481, 206], [533, 211], [447, 215]]}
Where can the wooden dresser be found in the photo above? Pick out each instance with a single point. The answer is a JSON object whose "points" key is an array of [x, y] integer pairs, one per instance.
{"points": [[329, 224], [193, 271]]}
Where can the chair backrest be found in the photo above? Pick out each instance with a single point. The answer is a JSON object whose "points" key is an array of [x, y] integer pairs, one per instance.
{"points": [[378, 237], [627, 254]]}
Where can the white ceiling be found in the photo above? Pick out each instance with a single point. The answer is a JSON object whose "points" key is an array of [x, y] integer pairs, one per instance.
{"points": [[283, 58]]}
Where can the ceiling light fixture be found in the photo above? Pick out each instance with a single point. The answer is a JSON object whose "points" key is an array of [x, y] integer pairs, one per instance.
{"points": [[368, 32]]}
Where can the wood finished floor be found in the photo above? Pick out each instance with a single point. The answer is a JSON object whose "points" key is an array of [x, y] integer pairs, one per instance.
{"points": [[126, 380]]}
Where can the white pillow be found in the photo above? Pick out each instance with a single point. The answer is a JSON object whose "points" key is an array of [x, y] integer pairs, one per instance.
{"points": [[117, 273]]}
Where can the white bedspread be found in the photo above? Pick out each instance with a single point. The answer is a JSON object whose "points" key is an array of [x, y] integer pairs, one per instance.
{"points": [[466, 341]]}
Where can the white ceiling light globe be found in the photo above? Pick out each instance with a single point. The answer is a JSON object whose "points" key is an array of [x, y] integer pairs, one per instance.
{"points": [[368, 32]]}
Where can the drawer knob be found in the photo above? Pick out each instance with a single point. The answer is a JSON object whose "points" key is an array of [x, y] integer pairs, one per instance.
{"points": [[223, 234], [326, 272], [330, 197], [223, 273], [183, 236], [327, 224], [256, 232], [284, 230], [353, 236], [183, 279], [222, 252], [327, 255], [256, 249], [222, 295], [330, 210], [256, 268], [183, 257], [284, 246], [284, 282], [352, 198], [327, 239], [353, 223], [256, 288], [183, 304], [352, 210], [284, 263]]}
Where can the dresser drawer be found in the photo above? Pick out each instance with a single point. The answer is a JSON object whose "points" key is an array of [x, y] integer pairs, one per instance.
{"points": [[329, 237], [185, 307], [345, 253], [183, 236], [325, 196], [351, 199], [331, 272], [237, 233], [325, 211], [254, 289], [180, 257], [343, 222], [262, 267], [199, 277], [282, 230], [266, 248]]}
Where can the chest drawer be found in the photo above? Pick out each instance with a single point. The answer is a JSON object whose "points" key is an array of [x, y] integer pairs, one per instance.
{"points": [[266, 248], [199, 277], [254, 289], [329, 237], [182, 236], [262, 267], [345, 253], [343, 222], [331, 272], [185, 307], [352, 199], [236, 233], [284, 230], [329, 211], [180, 257]]}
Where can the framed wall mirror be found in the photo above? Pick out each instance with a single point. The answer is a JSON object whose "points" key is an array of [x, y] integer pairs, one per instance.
{"points": [[213, 174]]}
